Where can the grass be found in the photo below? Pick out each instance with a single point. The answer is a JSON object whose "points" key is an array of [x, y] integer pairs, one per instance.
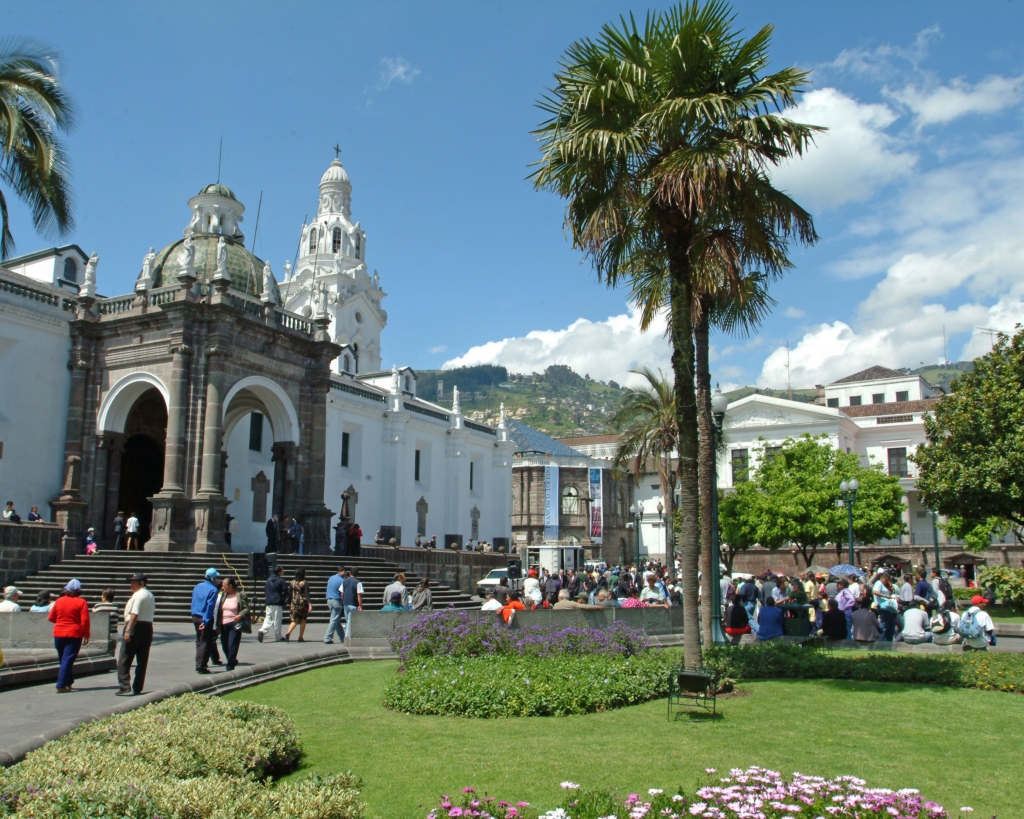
{"points": [[1004, 613], [959, 747]]}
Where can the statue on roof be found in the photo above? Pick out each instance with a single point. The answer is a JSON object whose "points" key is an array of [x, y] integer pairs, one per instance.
{"points": [[395, 386], [338, 263], [319, 296], [501, 416], [188, 257], [456, 408], [270, 291], [145, 280], [376, 279], [222, 259], [287, 271]]}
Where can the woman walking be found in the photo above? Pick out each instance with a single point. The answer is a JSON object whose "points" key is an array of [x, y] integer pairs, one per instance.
{"points": [[422, 600], [300, 606], [70, 617], [232, 610]]}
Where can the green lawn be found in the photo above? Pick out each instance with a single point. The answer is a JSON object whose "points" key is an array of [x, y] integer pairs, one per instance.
{"points": [[959, 747], [1006, 614]]}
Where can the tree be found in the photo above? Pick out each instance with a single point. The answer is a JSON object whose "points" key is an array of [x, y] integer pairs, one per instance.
{"points": [[791, 500], [970, 465], [34, 107], [649, 435], [655, 137]]}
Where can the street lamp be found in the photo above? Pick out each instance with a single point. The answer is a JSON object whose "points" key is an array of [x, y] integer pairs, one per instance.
{"points": [[719, 404], [637, 510], [935, 534], [849, 491], [661, 520]]}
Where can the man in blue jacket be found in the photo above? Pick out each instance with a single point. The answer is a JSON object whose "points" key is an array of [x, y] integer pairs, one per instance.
{"points": [[204, 618]]}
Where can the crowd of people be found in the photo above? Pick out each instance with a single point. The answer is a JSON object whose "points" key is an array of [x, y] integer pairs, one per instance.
{"points": [[885, 606]]}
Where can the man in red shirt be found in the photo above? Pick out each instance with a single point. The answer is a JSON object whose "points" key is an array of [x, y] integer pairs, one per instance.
{"points": [[70, 618]]}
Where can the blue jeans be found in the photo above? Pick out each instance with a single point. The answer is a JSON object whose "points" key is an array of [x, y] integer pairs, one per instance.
{"points": [[348, 619], [335, 625], [888, 622], [230, 639], [751, 607], [67, 651], [849, 625]]}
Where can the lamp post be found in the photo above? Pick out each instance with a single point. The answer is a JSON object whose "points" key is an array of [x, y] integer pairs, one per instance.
{"points": [[637, 510], [661, 520], [849, 491], [719, 404], [935, 534]]}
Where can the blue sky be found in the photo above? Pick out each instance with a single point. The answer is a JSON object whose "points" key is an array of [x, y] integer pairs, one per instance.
{"points": [[917, 189]]}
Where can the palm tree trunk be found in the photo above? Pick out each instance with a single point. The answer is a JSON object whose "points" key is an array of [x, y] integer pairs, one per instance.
{"points": [[701, 333], [681, 328]]}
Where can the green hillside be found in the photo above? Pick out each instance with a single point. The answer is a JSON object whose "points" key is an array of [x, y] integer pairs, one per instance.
{"points": [[943, 376]]}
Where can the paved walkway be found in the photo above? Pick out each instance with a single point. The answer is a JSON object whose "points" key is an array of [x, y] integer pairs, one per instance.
{"points": [[35, 714]]}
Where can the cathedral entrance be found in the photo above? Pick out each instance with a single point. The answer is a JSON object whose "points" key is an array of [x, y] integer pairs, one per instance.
{"points": [[142, 464]]}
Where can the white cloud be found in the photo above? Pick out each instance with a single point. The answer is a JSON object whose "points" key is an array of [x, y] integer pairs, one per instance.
{"points": [[396, 69], [794, 312], [603, 349], [940, 104], [440, 348], [851, 160]]}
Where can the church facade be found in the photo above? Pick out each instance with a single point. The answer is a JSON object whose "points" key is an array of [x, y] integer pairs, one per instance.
{"points": [[214, 396]]}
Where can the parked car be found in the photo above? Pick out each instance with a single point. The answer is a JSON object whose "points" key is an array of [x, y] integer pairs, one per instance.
{"points": [[488, 583]]}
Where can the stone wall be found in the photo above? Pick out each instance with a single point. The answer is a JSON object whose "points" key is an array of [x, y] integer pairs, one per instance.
{"points": [[26, 548], [459, 570], [25, 630]]}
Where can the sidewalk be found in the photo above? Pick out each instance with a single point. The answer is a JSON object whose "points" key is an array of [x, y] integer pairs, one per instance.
{"points": [[35, 714]]}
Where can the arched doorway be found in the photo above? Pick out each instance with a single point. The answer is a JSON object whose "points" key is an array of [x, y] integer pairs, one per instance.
{"points": [[142, 464]]}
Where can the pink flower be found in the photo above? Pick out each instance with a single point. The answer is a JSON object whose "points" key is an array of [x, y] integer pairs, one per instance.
{"points": [[469, 790]]}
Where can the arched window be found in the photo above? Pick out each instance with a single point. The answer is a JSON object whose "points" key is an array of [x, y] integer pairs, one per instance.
{"points": [[70, 270], [312, 240], [408, 384], [336, 240], [570, 501], [346, 363], [359, 245]]}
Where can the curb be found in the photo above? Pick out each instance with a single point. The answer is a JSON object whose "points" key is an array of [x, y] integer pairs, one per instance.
{"points": [[214, 684]]}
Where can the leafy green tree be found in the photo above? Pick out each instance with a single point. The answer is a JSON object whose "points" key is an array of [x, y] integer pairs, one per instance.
{"points": [[34, 107], [977, 534], [791, 500], [660, 137], [970, 466], [646, 421]]}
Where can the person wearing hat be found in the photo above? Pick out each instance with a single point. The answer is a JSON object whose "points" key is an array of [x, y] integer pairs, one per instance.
{"points": [[90, 541], [277, 595], [976, 626], [396, 602], [136, 638], [70, 617], [10, 601], [204, 618]]}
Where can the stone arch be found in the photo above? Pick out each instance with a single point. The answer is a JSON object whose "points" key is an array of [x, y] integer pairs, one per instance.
{"points": [[119, 400], [280, 411]]}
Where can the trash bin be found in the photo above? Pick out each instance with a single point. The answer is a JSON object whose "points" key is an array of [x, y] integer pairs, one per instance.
{"points": [[798, 622]]}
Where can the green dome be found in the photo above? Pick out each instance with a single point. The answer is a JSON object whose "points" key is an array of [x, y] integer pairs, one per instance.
{"points": [[245, 269], [218, 190]]}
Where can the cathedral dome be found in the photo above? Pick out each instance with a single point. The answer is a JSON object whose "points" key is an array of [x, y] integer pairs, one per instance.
{"points": [[335, 175], [245, 269], [218, 190]]}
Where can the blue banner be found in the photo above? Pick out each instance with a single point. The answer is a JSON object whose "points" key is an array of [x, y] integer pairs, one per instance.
{"points": [[551, 502]]}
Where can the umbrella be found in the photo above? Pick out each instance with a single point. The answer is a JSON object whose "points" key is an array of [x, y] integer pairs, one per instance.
{"points": [[845, 568], [816, 569]]}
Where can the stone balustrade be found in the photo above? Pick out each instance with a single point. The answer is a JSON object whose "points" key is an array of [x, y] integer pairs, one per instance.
{"points": [[26, 548]]}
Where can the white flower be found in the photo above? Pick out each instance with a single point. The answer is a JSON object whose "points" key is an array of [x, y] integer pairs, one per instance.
{"points": [[655, 791], [966, 810], [557, 813], [570, 786]]}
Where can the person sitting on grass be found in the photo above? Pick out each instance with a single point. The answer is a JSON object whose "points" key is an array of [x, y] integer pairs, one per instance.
{"points": [[769, 620], [865, 624], [833, 622], [395, 604]]}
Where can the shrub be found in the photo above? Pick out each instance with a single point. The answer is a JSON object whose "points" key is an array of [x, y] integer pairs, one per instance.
{"points": [[189, 757], [459, 634], [965, 593], [1009, 583], [995, 672], [516, 686]]}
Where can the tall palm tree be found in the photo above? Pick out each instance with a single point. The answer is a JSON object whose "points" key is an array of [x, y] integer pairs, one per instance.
{"points": [[659, 137], [649, 435], [34, 107]]}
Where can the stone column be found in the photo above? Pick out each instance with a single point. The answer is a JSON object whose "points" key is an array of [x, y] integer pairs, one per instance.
{"points": [[171, 509], [99, 485], [69, 507], [210, 506], [316, 516], [113, 479], [284, 452]]}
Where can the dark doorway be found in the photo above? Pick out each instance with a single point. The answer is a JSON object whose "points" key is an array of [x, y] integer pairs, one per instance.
{"points": [[142, 475]]}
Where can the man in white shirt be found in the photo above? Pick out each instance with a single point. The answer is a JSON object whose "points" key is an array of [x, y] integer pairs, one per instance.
{"points": [[132, 528], [10, 601], [490, 604], [982, 621], [139, 612], [916, 626], [947, 637]]}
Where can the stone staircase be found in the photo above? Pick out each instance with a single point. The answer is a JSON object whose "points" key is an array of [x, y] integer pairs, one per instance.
{"points": [[172, 576]]}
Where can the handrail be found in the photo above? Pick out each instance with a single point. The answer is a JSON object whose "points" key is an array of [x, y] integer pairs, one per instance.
{"points": [[114, 306], [52, 299]]}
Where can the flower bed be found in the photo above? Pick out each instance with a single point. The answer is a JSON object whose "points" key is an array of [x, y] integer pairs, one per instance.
{"points": [[189, 757], [459, 634], [994, 672], [755, 793], [518, 686]]}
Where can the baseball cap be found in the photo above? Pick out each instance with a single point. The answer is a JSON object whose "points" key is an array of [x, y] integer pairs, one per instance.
{"points": [[212, 573], [138, 577], [73, 585], [10, 591], [396, 598], [978, 600]]}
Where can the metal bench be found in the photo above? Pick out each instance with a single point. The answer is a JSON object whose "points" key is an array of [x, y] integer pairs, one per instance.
{"points": [[818, 643], [695, 686]]}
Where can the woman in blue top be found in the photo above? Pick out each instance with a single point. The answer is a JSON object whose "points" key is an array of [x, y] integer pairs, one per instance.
{"points": [[769, 620]]}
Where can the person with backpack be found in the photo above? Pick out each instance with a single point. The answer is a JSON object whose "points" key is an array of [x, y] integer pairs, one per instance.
{"points": [[943, 625], [976, 626], [941, 585]]}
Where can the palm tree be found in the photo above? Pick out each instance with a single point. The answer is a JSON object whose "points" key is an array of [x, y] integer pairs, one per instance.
{"points": [[34, 107], [649, 435], [660, 139]]}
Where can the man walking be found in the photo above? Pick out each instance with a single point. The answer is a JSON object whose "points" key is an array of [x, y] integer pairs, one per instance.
{"points": [[334, 604], [352, 597], [119, 531], [132, 528], [271, 535], [138, 637], [276, 593], [885, 599], [204, 618]]}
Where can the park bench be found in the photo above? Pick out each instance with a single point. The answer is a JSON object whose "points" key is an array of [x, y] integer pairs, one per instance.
{"points": [[692, 686]]}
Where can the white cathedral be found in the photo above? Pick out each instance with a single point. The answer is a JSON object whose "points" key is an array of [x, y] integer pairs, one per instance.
{"points": [[214, 390]]}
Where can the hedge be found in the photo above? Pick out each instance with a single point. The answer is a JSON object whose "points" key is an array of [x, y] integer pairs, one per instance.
{"points": [[190, 757], [994, 672], [514, 686]]}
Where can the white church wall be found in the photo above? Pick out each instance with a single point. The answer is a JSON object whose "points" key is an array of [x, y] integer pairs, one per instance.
{"points": [[244, 467], [34, 348]]}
